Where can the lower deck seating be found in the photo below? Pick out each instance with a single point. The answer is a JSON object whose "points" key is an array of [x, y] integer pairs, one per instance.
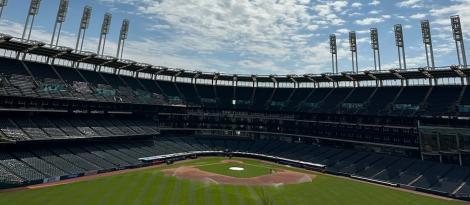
{"points": [[35, 163]]}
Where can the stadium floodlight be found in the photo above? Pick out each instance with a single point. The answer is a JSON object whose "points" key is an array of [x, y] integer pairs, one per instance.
{"points": [[400, 45], [427, 40], [34, 7], [104, 32], [85, 21], [61, 14], [32, 12], [353, 48], [334, 53], [458, 37], [122, 38], [106, 23], [3, 4], [374, 41]]}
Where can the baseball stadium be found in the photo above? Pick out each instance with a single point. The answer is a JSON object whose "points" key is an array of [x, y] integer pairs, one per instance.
{"points": [[81, 127]]}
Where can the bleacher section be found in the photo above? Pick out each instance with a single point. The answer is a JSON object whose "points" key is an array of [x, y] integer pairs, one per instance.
{"points": [[40, 128]]}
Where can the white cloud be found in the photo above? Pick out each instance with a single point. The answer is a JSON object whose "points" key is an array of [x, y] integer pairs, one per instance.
{"points": [[418, 16], [356, 5], [410, 4], [442, 14], [342, 31], [369, 21], [374, 3]]}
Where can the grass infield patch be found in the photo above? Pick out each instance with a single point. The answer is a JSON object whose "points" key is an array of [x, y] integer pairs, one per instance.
{"points": [[250, 170]]}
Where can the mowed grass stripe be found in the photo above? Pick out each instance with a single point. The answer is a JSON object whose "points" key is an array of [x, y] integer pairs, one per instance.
{"points": [[242, 198], [199, 193], [136, 189], [109, 191], [167, 191], [176, 194], [216, 192], [233, 195], [152, 181], [171, 187], [191, 193], [184, 190], [125, 188], [157, 191], [87, 190], [252, 193]]}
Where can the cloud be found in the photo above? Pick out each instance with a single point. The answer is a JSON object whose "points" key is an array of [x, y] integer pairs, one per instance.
{"points": [[356, 5], [369, 21], [374, 3], [262, 36], [418, 16], [277, 31], [410, 4], [342, 31]]}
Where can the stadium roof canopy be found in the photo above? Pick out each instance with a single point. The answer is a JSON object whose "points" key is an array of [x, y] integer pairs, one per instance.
{"points": [[42, 49]]}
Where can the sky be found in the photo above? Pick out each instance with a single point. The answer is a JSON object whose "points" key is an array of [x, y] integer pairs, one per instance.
{"points": [[253, 36]]}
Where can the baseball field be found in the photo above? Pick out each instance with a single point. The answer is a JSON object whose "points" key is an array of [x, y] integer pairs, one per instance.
{"points": [[217, 181]]}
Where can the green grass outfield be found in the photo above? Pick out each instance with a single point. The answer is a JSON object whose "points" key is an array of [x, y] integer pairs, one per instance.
{"points": [[152, 187]]}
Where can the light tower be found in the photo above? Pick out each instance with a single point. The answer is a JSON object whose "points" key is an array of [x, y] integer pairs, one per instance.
{"points": [[334, 53], [83, 27], [459, 42], [61, 14], [353, 48], [374, 42], [122, 38], [104, 33], [400, 45], [427, 40], [32, 12], [3, 4]]}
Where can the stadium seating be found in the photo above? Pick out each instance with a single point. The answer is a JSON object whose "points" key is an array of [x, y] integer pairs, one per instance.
{"points": [[225, 96], [410, 100], [464, 190], [334, 99], [452, 180], [314, 99], [243, 97], [432, 176], [442, 100], [39, 80], [297, 98], [62, 122], [409, 175], [189, 93], [207, 94], [37, 163], [19, 168]]}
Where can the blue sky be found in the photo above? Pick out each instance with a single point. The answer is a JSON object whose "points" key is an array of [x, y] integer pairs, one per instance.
{"points": [[253, 36]]}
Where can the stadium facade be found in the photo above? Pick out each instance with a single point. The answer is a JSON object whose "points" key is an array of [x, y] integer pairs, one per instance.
{"points": [[67, 113]]}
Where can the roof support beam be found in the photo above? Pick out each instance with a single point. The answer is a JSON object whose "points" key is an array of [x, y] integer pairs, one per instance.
{"points": [[86, 58], [108, 62]]}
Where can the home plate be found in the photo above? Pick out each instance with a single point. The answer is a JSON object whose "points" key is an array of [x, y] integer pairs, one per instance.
{"points": [[236, 168]]}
